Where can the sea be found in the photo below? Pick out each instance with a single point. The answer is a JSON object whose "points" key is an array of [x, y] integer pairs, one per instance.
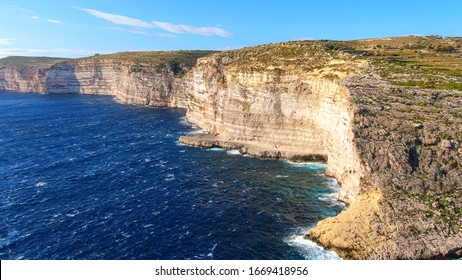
{"points": [[85, 177]]}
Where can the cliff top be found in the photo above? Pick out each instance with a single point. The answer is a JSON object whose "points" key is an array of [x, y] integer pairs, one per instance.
{"points": [[30, 60], [176, 59], [184, 57], [423, 61]]}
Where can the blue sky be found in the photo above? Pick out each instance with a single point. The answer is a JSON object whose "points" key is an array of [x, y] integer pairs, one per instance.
{"points": [[73, 28]]}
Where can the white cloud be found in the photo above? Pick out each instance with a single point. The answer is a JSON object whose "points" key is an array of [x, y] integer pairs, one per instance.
{"points": [[19, 9], [139, 32], [117, 19], [51, 52], [166, 35], [303, 39], [115, 28], [54, 21], [188, 29], [5, 41], [35, 17], [170, 27]]}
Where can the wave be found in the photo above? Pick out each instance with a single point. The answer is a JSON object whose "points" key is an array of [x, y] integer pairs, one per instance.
{"points": [[332, 198], [307, 248], [233, 152], [216, 149], [308, 165]]}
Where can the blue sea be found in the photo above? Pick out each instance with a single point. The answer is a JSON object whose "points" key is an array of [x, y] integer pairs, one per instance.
{"points": [[84, 177]]}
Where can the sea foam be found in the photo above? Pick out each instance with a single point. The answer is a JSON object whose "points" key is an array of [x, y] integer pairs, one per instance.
{"points": [[307, 248]]}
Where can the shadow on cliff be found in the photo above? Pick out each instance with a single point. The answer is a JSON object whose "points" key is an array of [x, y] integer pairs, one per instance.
{"points": [[61, 78]]}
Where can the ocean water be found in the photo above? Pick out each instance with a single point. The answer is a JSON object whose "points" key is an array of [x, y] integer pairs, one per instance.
{"points": [[84, 177]]}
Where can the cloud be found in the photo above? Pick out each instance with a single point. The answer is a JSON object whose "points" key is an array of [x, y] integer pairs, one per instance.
{"points": [[117, 19], [54, 21], [70, 53], [5, 41], [19, 9], [303, 39], [139, 32], [166, 35], [115, 28], [35, 17], [170, 27], [188, 29]]}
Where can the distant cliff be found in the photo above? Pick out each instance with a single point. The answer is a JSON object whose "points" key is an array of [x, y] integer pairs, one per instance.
{"points": [[383, 113], [144, 78]]}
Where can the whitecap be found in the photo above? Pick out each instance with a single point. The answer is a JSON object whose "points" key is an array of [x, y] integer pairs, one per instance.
{"points": [[309, 165], [170, 177], [233, 152], [197, 131], [332, 199], [184, 120], [282, 176], [309, 249], [215, 149], [40, 184]]}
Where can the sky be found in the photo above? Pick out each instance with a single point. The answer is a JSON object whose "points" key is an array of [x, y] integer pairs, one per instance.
{"points": [[73, 28]]}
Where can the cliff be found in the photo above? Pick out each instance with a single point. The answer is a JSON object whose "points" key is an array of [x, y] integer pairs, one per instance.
{"points": [[384, 114], [144, 78]]}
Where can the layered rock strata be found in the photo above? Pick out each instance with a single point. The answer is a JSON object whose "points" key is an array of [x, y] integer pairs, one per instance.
{"points": [[396, 151], [131, 80], [276, 115]]}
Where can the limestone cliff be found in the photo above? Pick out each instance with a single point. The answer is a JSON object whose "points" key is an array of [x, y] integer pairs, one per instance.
{"points": [[394, 149], [383, 113], [276, 114], [144, 78]]}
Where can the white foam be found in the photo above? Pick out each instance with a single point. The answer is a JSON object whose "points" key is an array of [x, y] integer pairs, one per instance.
{"points": [[309, 165], [332, 198], [233, 152], [184, 120], [216, 149], [40, 184], [282, 176], [170, 177], [198, 131], [309, 249]]}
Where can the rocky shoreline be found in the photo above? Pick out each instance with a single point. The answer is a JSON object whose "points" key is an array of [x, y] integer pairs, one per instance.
{"points": [[395, 149]]}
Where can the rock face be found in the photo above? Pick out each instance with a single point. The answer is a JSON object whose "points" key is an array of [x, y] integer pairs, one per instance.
{"points": [[275, 114], [131, 80], [132, 83], [408, 141], [396, 150]]}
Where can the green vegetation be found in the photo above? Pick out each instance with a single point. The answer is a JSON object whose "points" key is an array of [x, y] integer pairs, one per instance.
{"points": [[175, 59], [178, 61], [26, 61], [431, 62]]}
